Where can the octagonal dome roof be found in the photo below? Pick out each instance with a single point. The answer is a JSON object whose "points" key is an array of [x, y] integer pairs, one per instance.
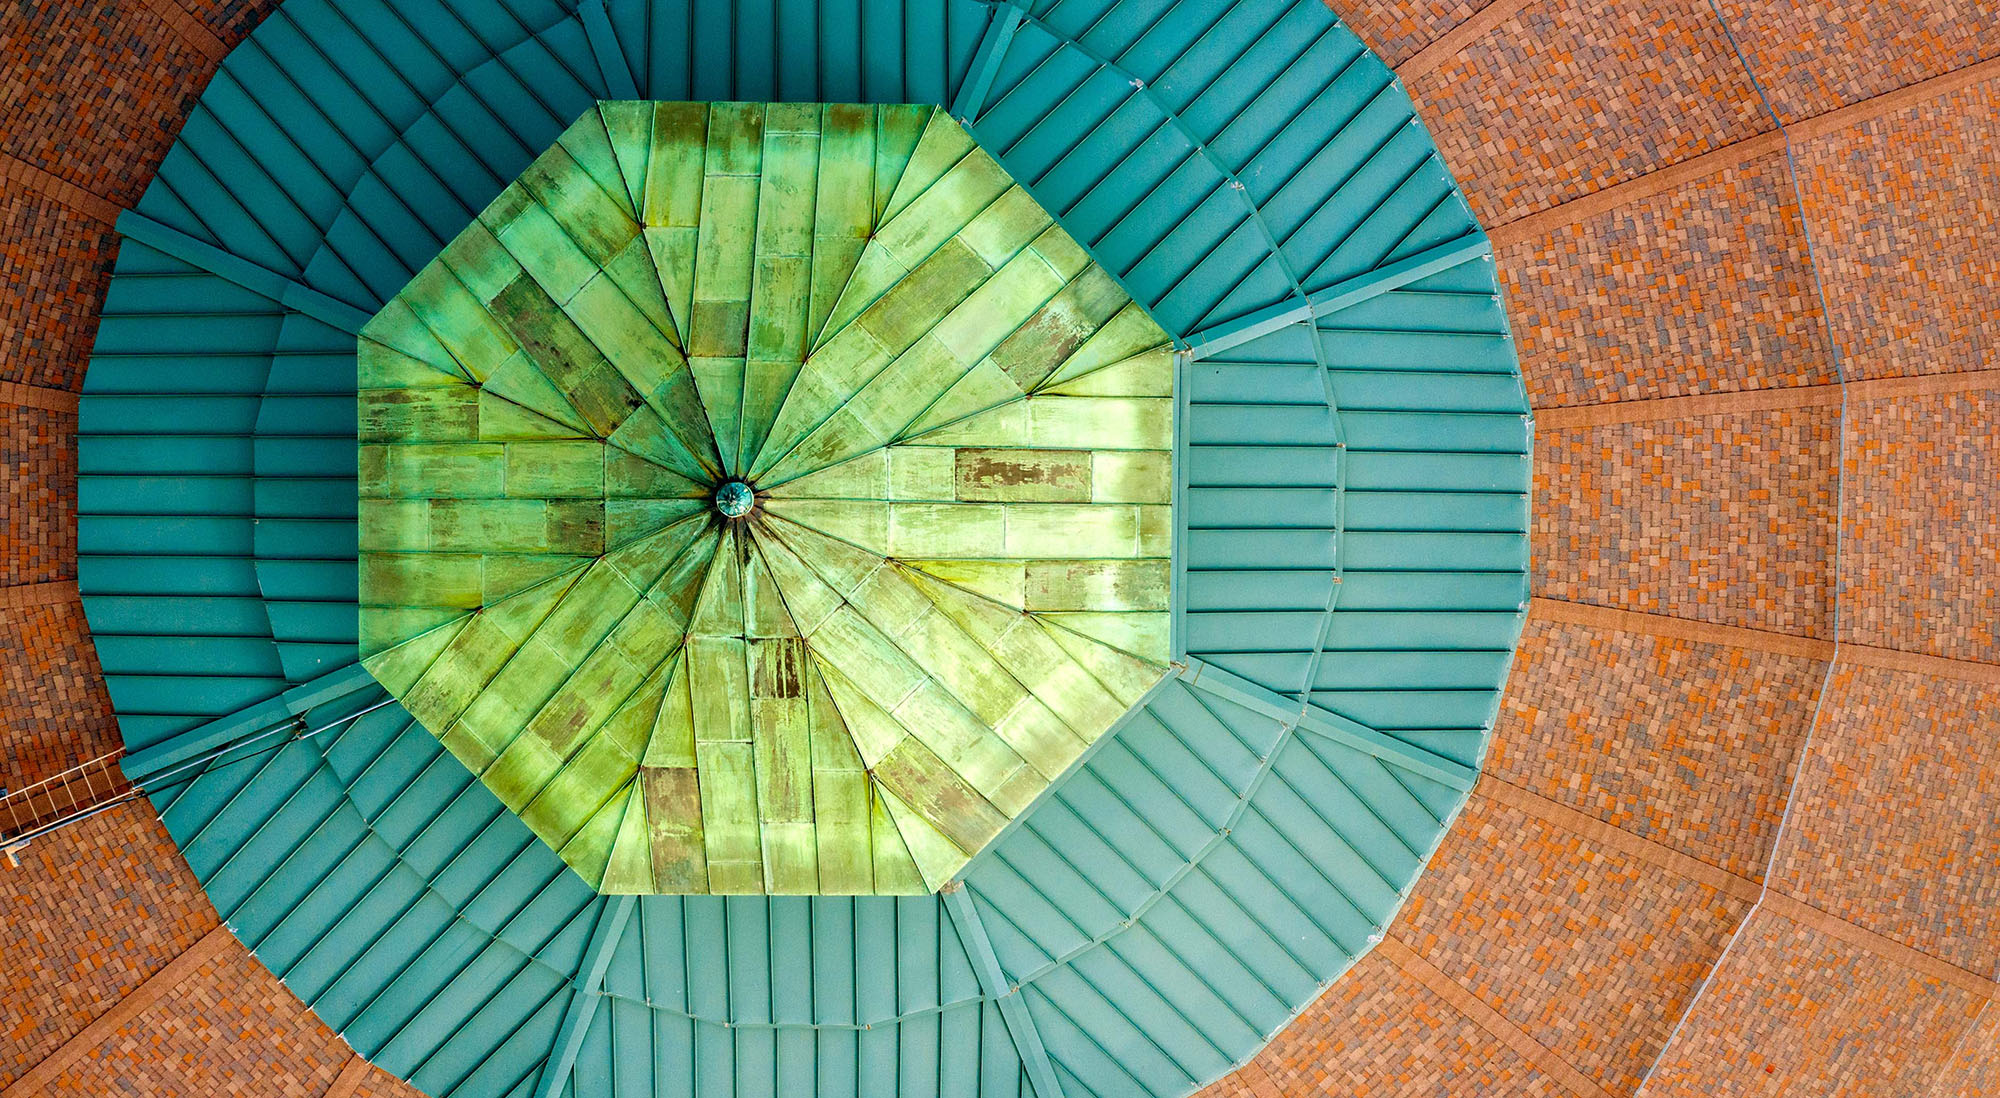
{"points": [[1351, 457], [765, 498]]}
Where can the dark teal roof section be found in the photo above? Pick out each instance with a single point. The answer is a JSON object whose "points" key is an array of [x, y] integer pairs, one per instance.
{"points": [[1258, 180], [1350, 581]]}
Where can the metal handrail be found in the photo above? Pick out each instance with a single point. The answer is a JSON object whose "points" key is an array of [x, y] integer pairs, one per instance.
{"points": [[21, 824], [81, 791]]}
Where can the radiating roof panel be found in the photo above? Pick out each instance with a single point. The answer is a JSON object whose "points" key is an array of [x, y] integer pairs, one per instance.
{"points": [[765, 498]]}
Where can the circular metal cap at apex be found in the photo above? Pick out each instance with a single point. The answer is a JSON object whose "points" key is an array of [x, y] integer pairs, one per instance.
{"points": [[734, 499]]}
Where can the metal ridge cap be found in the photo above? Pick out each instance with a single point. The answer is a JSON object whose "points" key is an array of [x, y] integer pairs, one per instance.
{"points": [[263, 716], [1206, 676]]}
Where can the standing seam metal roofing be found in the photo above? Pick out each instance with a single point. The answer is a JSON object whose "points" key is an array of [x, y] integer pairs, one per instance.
{"points": [[1351, 553]]}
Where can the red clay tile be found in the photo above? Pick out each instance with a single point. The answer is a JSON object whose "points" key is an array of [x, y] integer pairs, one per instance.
{"points": [[1723, 518], [1379, 1033], [1920, 567], [1793, 1011], [1705, 288], [95, 93], [230, 1028], [1817, 57], [56, 713], [1689, 745], [1571, 96], [1893, 820], [54, 266], [1591, 953], [38, 495], [1904, 210], [90, 914]]}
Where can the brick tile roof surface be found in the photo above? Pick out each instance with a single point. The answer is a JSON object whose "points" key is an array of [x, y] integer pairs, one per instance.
{"points": [[1578, 930]]}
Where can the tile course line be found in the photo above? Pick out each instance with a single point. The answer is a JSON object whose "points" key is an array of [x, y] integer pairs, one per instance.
{"points": [[18, 395], [1612, 413], [1918, 663], [52, 186], [191, 30], [1840, 486], [1619, 840], [1779, 902], [1677, 628], [349, 1079], [135, 1002], [1772, 143], [37, 594], [1451, 42], [1851, 654], [1492, 1021], [1789, 907]]}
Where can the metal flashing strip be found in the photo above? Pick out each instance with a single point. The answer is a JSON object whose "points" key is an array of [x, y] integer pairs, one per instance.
{"points": [[1207, 676], [1211, 342], [986, 63], [993, 978], [611, 919], [262, 718], [293, 295], [1177, 586], [1209, 849]]}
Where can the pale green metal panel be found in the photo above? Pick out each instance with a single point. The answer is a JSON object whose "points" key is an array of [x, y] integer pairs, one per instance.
{"points": [[1378, 441]]}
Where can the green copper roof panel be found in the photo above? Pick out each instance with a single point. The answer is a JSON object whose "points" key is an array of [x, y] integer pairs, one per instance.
{"points": [[765, 499], [1350, 454]]}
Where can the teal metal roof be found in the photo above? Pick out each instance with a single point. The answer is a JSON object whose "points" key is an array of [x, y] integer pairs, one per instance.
{"points": [[1350, 554]]}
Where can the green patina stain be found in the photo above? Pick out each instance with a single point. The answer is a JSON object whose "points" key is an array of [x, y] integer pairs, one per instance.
{"points": [[765, 498]]}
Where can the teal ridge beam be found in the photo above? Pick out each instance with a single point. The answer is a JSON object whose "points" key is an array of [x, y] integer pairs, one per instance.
{"points": [[1338, 573], [583, 1002], [1020, 1024], [261, 717], [1210, 342], [293, 295], [583, 54], [528, 957], [604, 46], [986, 64], [1177, 577], [1277, 251], [1207, 676]]}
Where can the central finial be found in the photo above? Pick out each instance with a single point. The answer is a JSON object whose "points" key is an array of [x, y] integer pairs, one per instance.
{"points": [[734, 499]]}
